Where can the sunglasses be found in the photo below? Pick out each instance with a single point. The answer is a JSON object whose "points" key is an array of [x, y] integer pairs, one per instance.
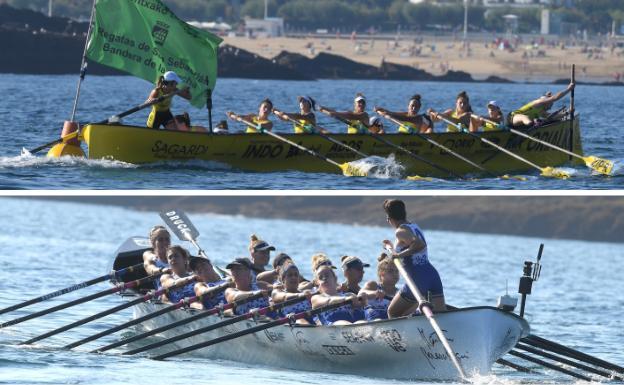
{"points": [[169, 83]]}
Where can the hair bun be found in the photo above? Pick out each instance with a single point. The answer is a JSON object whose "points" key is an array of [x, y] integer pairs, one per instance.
{"points": [[253, 237], [382, 257], [343, 258]]}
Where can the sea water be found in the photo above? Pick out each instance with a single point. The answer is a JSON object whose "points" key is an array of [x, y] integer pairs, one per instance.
{"points": [[46, 246], [34, 107]]}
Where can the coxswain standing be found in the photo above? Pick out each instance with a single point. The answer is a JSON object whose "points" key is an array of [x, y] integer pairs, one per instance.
{"points": [[411, 247], [161, 112]]}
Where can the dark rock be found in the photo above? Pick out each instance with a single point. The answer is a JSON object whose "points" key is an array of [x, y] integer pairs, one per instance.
{"points": [[455, 76], [34, 21], [393, 71], [496, 79], [238, 63]]}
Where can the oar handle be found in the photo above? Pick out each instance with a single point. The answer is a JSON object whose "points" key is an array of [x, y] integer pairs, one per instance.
{"points": [[148, 103]]}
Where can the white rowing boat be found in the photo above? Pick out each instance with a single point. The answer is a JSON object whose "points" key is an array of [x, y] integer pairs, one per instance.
{"points": [[403, 348]]}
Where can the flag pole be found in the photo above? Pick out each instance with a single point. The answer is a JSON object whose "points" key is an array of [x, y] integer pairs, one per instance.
{"points": [[209, 104], [83, 65]]}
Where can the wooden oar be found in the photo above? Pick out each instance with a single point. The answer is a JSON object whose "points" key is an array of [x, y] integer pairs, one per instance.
{"points": [[268, 325], [251, 314], [113, 118], [83, 321], [513, 365], [78, 286], [603, 166], [347, 168], [319, 133], [545, 171], [425, 307], [548, 365], [116, 289], [204, 313], [428, 139], [180, 304], [565, 361], [396, 146], [564, 350]]}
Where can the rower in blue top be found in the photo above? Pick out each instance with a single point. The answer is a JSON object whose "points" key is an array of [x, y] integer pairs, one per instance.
{"points": [[244, 287], [207, 278], [381, 291], [411, 247], [155, 259], [180, 283]]}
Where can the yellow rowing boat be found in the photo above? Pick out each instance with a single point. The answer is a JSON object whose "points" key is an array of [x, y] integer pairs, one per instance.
{"points": [[260, 152]]}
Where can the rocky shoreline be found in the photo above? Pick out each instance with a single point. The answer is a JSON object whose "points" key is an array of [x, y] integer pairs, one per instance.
{"points": [[37, 44]]}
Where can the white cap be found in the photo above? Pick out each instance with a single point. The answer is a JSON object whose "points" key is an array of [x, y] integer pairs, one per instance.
{"points": [[374, 120], [358, 98], [493, 103], [171, 76]]}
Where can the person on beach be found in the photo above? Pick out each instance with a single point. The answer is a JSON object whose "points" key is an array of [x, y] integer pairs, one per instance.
{"points": [[244, 287], [495, 119], [411, 121], [534, 112], [155, 259], [410, 247], [381, 292], [207, 278], [289, 278], [305, 117], [353, 270], [461, 114], [261, 120], [160, 114], [358, 119], [328, 293], [180, 283]]}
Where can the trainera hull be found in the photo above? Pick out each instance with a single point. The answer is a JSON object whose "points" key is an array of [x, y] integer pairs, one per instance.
{"points": [[405, 348], [260, 152]]}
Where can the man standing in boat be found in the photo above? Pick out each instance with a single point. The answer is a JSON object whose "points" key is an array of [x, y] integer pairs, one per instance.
{"points": [[161, 112], [411, 247]]}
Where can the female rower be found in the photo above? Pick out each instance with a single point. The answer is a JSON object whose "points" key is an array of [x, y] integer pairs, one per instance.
{"points": [[179, 282], [261, 120], [260, 253], [533, 112], [161, 113], [462, 114], [375, 125], [358, 118], [272, 276], [495, 118], [411, 247], [244, 287], [353, 270], [289, 278], [381, 292], [207, 278], [328, 293], [411, 121], [305, 117], [155, 259]]}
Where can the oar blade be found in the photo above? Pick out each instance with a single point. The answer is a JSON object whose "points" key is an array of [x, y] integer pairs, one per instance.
{"points": [[514, 177], [177, 221], [551, 172], [419, 178], [603, 166], [350, 169]]}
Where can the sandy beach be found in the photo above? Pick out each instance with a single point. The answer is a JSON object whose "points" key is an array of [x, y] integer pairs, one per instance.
{"points": [[483, 58]]}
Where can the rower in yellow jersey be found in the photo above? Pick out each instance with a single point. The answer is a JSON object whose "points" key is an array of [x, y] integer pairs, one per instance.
{"points": [[411, 121], [306, 118], [161, 113], [495, 120], [531, 113], [358, 119], [461, 114], [261, 120]]}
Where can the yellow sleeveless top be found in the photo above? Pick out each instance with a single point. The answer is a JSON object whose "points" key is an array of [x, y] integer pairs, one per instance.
{"points": [[490, 127], [164, 105], [407, 128], [529, 110], [255, 120], [356, 127], [304, 126], [451, 128]]}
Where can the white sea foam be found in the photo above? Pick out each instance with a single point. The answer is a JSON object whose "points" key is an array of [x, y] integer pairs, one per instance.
{"points": [[26, 159]]}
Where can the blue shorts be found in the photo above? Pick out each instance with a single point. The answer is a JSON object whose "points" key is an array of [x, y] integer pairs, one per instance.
{"points": [[427, 280]]}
